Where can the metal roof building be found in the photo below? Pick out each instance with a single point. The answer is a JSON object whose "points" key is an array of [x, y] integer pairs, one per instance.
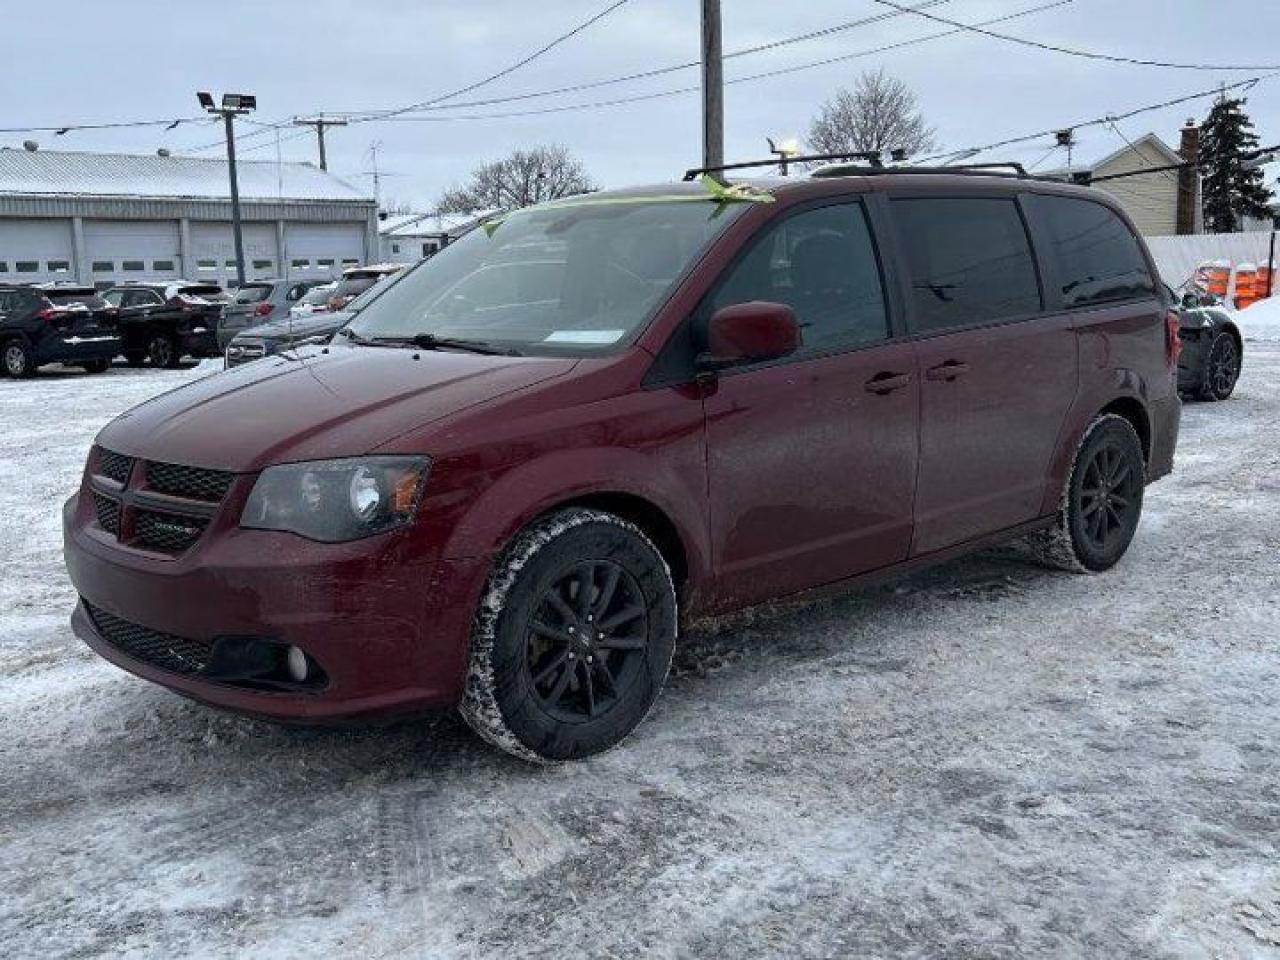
{"points": [[105, 218]]}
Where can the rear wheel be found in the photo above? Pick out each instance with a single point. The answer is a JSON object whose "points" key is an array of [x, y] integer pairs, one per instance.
{"points": [[162, 351], [1222, 369], [17, 359], [1103, 500], [573, 639], [96, 366]]}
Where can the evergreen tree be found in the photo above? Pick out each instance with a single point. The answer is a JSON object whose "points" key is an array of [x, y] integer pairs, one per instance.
{"points": [[1232, 189]]}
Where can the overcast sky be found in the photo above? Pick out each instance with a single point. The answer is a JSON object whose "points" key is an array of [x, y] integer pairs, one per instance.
{"points": [[72, 62]]}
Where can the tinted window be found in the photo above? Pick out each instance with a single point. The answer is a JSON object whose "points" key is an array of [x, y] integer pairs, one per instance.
{"points": [[1098, 257], [822, 264], [970, 261], [62, 298], [114, 297]]}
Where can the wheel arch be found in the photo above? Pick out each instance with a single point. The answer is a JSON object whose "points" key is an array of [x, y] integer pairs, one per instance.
{"points": [[1133, 410]]}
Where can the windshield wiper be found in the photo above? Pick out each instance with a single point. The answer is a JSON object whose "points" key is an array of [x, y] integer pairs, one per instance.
{"points": [[429, 341]]}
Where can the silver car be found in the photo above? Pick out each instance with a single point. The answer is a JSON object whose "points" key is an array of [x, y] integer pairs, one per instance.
{"points": [[259, 302]]}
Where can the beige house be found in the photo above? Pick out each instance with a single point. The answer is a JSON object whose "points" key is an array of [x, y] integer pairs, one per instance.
{"points": [[1151, 199]]}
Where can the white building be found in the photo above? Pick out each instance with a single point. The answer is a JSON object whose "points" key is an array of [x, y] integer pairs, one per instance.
{"points": [[410, 237], [105, 218]]}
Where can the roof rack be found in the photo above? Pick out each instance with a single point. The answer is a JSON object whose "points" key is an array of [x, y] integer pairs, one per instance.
{"points": [[968, 169], [871, 156]]}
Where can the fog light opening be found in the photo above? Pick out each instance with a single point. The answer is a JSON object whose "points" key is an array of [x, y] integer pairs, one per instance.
{"points": [[296, 661]]}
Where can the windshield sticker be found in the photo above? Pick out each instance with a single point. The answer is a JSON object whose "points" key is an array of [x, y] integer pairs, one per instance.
{"points": [[584, 336]]}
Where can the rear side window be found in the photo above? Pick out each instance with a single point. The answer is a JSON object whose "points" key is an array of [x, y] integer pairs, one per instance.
{"points": [[821, 263], [970, 261], [1097, 255]]}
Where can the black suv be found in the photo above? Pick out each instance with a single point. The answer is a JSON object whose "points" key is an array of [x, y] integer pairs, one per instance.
{"points": [[163, 322], [56, 323]]}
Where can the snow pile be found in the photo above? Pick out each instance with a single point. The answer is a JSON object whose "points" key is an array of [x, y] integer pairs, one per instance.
{"points": [[1261, 320]]}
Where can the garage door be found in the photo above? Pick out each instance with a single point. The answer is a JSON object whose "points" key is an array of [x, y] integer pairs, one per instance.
{"points": [[322, 249], [132, 250], [213, 248], [35, 250]]}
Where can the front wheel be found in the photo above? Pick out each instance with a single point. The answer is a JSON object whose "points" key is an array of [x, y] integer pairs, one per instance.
{"points": [[1102, 503], [1222, 369], [573, 639]]}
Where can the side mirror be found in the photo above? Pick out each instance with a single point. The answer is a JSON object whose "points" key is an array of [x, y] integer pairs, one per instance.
{"points": [[749, 333], [1190, 301]]}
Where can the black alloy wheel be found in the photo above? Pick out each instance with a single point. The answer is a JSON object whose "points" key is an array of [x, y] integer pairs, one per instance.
{"points": [[1222, 369], [586, 638], [1109, 495]]}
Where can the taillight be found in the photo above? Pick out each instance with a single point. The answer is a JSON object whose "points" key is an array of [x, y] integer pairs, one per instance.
{"points": [[263, 310], [1172, 340], [48, 311]]}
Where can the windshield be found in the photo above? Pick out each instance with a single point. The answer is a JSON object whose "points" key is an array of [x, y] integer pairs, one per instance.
{"points": [[572, 279], [253, 293]]}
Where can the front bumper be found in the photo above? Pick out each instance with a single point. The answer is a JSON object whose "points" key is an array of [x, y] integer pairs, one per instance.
{"points": [[1193, 358], [390, 632]]}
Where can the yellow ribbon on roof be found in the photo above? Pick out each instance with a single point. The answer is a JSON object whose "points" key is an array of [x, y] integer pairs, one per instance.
{"points": [[716, 192]]}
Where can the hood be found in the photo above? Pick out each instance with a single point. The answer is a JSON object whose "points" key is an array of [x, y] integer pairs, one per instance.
{"points": [[298, 328], [340, 401]]}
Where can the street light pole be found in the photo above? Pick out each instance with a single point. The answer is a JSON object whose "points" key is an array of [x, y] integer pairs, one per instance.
{"points": [[233, 104], [712, 86]]}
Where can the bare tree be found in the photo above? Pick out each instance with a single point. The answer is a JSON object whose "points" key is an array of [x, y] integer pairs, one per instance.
{"points": [[879, 113], [522, 179]]}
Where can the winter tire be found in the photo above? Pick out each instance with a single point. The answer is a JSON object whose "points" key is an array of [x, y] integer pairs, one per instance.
{"points": [[17, 360], [96, 366], [573, 638], [1222, 369], [1102, 502], [162, 352]]}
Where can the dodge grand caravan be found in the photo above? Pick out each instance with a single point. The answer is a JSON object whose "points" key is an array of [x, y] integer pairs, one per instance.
{"points": [[507, 482]]}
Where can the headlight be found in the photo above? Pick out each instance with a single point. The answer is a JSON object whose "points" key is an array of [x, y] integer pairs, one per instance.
{"points": [[337, 500]]}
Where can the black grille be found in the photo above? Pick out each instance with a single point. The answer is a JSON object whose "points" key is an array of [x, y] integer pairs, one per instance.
{"points": [[194, 483], [114, 466], [108, 511], [170, 532], [163, 650]]}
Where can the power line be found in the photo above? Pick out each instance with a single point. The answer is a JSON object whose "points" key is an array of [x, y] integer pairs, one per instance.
{"points": [[512, 68], [1107, 119], [1087, 54], [672, 68], [59, 129], [768, 74]]}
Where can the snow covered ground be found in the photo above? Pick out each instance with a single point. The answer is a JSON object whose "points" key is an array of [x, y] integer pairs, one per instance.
{"points": [[987, 759], [1261, 320]]}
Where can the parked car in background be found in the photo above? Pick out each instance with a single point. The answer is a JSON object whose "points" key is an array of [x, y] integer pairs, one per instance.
{"points": [[356, 280], [56, 323], [272, 338], [161, 323], [505, 502], [260, 301], [315, 300], [1212, 348]]}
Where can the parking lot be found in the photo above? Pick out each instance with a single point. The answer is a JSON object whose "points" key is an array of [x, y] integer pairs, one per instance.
{"points": [[987, 759]]}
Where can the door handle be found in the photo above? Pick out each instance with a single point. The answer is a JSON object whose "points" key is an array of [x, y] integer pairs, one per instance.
{"points": [[947, 371], [883, 383]]}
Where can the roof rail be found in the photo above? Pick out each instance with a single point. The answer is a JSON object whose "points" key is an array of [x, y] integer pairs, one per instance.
{"points": [[871, 156], [968, 169]]}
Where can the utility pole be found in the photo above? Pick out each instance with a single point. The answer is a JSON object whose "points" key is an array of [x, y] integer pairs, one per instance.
{"points": [[233, 105], [712, 86], [377, 177], [320, 123]]}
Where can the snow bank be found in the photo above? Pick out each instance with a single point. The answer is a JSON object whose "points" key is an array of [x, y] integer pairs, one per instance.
{"points": [[1261, 321]]}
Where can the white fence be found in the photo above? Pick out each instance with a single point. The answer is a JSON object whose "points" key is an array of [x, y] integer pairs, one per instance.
{"points": [[1177, 257]]}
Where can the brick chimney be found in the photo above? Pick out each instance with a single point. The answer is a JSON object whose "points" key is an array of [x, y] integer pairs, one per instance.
{"points": [[1189, 179]]}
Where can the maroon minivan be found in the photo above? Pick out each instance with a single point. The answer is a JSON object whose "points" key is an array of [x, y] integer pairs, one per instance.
{"points": [[506, 483]]}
